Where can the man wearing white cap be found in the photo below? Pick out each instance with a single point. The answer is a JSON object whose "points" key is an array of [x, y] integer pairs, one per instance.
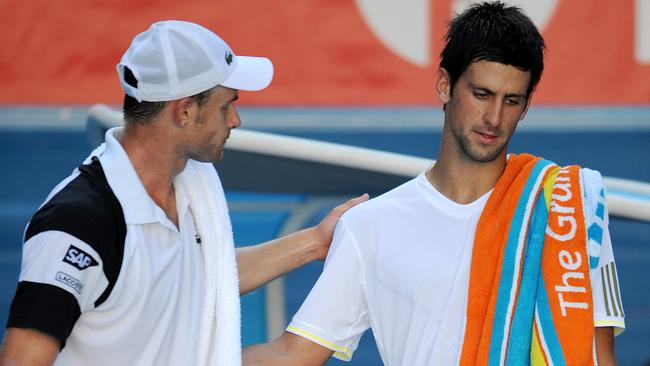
{"points": [[130, 260]]}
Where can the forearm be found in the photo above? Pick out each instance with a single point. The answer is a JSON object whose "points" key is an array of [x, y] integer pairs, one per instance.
{"points": [[259, 264], [28, 347], [267, 354], [288, 349], [605, 346]]}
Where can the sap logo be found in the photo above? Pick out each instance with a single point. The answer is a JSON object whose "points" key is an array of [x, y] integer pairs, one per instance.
{"points": [[79, 258], [69, 281]]}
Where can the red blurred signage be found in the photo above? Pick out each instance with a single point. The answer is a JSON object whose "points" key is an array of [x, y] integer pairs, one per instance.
{"points": [[350, 53]]}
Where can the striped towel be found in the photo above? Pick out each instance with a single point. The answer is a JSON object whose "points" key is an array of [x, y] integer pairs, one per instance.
{"points": [[529, 299]]}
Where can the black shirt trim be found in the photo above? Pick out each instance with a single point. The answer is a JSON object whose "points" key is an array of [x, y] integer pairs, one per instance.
{"points": [[87, 209], [44, 307]]}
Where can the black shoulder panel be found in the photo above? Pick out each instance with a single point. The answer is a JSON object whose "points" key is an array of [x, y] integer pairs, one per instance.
{"points": [[87, 209]]}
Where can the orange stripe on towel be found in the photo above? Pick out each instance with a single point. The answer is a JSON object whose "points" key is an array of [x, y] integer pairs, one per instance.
{"points": [[566, 269], [487, 257]]}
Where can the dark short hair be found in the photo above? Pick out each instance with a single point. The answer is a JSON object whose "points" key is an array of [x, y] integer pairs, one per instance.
{"points": [[143, 112], [492, 31]]}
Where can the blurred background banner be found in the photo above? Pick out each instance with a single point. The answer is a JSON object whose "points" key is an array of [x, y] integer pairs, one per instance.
{"points": [[334, 52]]}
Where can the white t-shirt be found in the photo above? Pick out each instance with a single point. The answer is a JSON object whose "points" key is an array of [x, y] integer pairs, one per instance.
{"points": [[400, 264]]}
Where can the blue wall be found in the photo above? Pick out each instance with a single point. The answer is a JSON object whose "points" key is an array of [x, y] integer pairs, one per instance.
{"points": [[34, 160]]}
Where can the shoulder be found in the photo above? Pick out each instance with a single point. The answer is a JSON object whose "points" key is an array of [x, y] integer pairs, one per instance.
{"points": [[85, 208], [383, 207]]}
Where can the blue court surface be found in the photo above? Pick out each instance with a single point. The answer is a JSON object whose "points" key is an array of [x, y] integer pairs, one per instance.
{"points": [[41, 146]]}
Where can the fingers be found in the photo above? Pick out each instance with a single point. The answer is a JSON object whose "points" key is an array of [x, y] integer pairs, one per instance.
{"points": [[340, 209], [357, 200]]}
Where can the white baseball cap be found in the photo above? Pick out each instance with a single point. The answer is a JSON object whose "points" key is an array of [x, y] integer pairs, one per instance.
{"points": [[176, 59]]}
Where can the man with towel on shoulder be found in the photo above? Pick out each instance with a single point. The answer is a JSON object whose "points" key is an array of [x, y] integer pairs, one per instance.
{"points": [[130, 260], [484, 259]]}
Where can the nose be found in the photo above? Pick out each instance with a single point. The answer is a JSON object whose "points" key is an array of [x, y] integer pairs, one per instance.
{"points": [[493, 115], [233, 117]]}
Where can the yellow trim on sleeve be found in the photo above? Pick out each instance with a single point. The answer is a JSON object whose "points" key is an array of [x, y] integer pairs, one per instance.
{"points": [[618, 325], [340, 352]]}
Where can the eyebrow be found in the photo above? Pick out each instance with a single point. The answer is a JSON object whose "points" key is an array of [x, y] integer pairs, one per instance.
{"points": [[488, 91]]}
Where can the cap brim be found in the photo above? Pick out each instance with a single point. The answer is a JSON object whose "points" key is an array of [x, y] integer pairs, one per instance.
{"points": [[251, 73]]}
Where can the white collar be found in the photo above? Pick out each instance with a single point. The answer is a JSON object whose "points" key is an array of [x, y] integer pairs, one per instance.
{"points": [[137, 205]]}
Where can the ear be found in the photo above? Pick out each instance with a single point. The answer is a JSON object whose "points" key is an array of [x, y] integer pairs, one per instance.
{"points": [[185, 110], [443, 85]]}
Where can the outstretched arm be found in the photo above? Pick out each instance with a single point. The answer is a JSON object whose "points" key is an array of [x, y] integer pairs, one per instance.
{"points": [[28, 347], [288, 349], [259, 264]]}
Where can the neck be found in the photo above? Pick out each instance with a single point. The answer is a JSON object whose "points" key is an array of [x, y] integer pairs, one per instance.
{"points": [[463, 180], [154, 157]]}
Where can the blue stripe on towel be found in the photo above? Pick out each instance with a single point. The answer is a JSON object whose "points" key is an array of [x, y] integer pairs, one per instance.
{"points": [[522, 322], [595, 231], [600, 210], [508, 267], [548, 333]]}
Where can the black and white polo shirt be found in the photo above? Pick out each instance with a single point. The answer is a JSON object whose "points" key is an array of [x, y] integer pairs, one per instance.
{"points": [[107, 273]]}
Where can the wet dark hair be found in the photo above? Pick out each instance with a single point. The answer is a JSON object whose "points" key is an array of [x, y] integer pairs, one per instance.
{"points": [[143, 112], [492, 31]]}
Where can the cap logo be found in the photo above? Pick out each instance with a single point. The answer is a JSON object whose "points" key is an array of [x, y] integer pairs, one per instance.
{"points": [[228, 57]]}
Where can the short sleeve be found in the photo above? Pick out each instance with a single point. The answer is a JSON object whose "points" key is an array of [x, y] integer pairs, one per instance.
{"points": [[335, 313], [61, 277], [72, 254], [608, 307]]}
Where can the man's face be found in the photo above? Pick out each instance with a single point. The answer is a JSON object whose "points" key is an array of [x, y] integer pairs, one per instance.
{"points": [[215, 118], [482, 113]]}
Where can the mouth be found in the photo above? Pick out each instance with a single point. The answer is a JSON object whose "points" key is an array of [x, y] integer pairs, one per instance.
{"points": [[486, 137]]}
